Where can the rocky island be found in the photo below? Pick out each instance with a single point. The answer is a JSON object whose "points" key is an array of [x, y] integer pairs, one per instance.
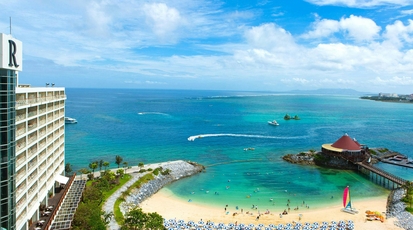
{"points": [[313, 157]]}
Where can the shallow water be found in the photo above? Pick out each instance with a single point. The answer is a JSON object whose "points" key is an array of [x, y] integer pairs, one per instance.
{"points": [[154, 125]]}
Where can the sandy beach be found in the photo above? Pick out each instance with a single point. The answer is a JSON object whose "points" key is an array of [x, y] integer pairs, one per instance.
{"points": [[170, 207]]}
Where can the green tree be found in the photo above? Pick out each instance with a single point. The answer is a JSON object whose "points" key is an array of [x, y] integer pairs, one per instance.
{"points": [[109, 176], [137, 219], [68, 169], [408, 186], [140, 165], [155, 221], [125, 165], [134, 220], [83, 171], [106, 165], [120, 172], [93, 166], [107, 217], [100, 165], [118, 160]]}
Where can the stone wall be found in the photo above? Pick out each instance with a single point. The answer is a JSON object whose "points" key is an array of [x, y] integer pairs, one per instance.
{"points": [[179, 169], [396, 208]]}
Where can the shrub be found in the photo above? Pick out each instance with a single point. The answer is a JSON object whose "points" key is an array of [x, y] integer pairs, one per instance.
{"points": [[302, 154], [150, 169], [156, 171], [142, 170], [166, 172]]}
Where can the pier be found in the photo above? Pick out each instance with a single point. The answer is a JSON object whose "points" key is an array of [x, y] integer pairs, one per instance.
{"points": [[380, 176]]}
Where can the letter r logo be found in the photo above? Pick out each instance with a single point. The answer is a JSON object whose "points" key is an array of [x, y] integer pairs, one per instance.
{"points": [[12, 54]]}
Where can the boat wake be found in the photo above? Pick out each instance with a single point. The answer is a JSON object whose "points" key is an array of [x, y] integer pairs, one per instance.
{"points": [[156, 113], [192, 138]]}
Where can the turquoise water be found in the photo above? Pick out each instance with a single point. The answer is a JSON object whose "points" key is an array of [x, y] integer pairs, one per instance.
{"points": [[154, 125]]}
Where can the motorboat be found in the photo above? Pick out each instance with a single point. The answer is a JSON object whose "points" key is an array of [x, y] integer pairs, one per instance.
{"points": [[69, 120], [273, 122]]}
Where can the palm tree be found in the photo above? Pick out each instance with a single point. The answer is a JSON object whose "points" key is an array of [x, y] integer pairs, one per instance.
{"points": [[93, 166], [119, 160], [100, 165], [125, 165], [106, 164], [68, 169], [83, 171], [140, 165]]}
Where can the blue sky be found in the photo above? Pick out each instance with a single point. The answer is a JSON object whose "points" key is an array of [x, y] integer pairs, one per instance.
{"points": [[262, 45]]}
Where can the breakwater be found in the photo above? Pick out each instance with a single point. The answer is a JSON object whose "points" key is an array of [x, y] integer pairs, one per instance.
{"points": [[178, 170], [396, 208]]}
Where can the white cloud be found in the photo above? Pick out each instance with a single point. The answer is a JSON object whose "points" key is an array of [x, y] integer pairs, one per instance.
{"points": [[97, 19], [407, 12], [356, 27], [394, 81], [360, 28], [323, 28], [271, 37], [398, 34], [163, 19], [360, 3]]}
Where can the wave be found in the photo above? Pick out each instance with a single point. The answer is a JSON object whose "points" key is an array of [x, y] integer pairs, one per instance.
{"points": [[156, 113], [192, 138]]}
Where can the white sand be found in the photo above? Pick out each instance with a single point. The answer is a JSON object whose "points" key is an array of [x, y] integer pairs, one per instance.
{"points": [[169, 206]]}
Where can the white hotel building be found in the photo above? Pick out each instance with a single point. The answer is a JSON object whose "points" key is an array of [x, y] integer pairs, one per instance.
{"points": [[32, 129]]}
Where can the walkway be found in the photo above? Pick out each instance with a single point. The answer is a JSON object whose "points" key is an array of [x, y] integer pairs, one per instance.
{"points": [[110, 202], [389, 176]]}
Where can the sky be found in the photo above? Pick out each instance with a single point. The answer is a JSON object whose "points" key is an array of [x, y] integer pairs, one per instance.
{"points": [[248, 45]]}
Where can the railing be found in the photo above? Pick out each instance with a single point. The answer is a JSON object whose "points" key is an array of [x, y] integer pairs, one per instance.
{"points": [[383, 173], [53, 214], [39, 100]]}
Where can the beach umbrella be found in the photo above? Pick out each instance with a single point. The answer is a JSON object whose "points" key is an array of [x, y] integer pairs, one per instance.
{"points": [[242, 225], [260, 225], [251, 225], [267, 228], [231, 225]]}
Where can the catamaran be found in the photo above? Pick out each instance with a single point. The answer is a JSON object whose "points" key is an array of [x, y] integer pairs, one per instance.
{"points": [[347, 202]]}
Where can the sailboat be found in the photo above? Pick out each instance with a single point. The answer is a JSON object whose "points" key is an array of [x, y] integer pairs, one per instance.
{"points": [[347, 202]]}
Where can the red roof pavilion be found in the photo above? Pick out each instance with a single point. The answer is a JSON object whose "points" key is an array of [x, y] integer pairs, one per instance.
{"points": [[345, 142]]}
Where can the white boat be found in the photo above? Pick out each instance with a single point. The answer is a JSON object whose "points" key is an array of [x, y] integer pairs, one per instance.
{"points": [[273, 122], [69, 120]]}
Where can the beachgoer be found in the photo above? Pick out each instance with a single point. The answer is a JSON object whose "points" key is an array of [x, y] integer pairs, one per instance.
{"points": [[236, 207], [281, 216], [242, 210]]}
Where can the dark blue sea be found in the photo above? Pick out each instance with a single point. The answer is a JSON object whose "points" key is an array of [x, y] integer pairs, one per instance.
{"points": [[152, 126]]}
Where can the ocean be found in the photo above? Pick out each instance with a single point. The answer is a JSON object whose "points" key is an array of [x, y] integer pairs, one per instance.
{"points": [[153, 126]]}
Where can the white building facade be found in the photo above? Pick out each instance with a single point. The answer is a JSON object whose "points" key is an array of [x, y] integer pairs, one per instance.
{"points": [[32, 141], [40, 148]]}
